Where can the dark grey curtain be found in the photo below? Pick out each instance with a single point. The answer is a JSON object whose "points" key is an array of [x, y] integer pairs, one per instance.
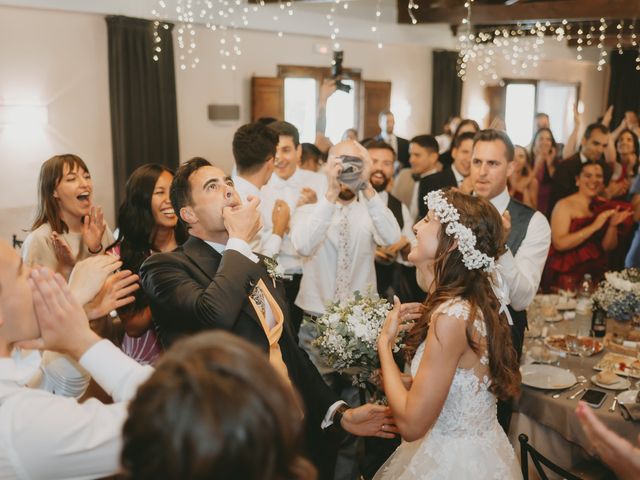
{"points": [[144, 121], [447, 89], [624, 88]]}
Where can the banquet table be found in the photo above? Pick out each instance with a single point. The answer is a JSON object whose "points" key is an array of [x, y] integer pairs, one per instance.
{"points": [[551, 424]]}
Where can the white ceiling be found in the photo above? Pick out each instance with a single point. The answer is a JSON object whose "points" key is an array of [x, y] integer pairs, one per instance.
{"points": [[355, 23]]}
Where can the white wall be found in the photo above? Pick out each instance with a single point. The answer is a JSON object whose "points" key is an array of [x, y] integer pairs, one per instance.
{"points": [[408, 67], [58, 60]]}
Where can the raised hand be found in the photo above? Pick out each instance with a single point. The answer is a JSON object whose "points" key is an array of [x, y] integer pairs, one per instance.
{"points": [[62, 250], [307, 196], [603, 218], [370, 420], [506, 224], [243, 221], [63, 323], [327, 89], [615, 451], [391, 327], [90, 274], [115, 293], [619, 217], [93, 227], [280, 217], [608, 116], [334, 168]]}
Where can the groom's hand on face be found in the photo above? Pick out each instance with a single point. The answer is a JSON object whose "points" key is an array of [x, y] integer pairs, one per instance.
{"points": [[243, 221]]}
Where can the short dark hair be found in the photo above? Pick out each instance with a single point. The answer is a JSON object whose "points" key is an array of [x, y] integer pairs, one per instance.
{"points": [[427, 141], [214, 408], [254, 144], [593, 127], [461, 138], [286, 129], [541, 114], [589, 164], [380, 144], [180, 192], [492, 135]]}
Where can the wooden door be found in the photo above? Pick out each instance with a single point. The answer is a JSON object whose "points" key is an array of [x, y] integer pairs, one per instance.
{"points": [[267, 98], [376, 98]]}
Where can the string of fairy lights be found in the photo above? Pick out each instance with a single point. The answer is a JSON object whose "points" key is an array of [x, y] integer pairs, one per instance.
{"points": [[480, 47], [521, 46]]}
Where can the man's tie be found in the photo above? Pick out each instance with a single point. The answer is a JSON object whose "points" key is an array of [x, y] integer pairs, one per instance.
{"points": [[344, 264]]}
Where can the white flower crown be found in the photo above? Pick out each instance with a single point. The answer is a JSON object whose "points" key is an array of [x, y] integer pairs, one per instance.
{"points": [[448, 215]]}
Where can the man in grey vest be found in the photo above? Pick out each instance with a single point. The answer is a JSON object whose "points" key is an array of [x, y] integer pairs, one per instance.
{"points": [[529, 234]]}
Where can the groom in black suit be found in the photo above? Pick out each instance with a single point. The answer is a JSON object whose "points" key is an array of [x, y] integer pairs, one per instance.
{"points": [[211, 282]]}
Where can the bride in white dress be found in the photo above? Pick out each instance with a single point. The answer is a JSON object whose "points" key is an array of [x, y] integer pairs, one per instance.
{"points": [[463, 358]]}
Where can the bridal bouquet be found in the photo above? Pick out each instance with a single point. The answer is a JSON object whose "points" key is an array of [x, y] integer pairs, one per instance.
{"points": [[619, 294], [347, 336]]}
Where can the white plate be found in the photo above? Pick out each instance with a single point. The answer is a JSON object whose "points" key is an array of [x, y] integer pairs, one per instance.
{"points": [[566, 304], [621, 384], [627, 397], [556, 318], [547, 377]]}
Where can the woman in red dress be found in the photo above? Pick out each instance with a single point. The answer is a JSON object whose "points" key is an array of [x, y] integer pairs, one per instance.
{"points": [[584, 228]]}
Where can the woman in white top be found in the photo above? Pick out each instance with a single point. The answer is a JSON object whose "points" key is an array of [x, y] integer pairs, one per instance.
{"points": [[67, 227], [462, 357]]}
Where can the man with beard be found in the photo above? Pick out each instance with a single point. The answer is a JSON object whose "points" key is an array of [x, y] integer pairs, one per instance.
{"points": [[338, 236], [393, 273]]}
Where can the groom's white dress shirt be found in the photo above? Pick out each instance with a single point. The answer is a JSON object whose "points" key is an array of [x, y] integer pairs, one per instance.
{"points": [[52, 437]]}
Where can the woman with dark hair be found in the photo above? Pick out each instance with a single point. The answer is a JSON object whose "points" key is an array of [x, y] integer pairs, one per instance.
{"points": [[147, 224], [460, 349], [215, 409], [626, 166], [465, 125], [584, 229], [523, 186], [544, 157], [67, 227]]}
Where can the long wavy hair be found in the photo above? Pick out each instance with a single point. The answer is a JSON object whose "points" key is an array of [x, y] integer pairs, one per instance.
{"points": [[452, 279], [215, 408], [636, 147], [51, 171], [136, 225]]}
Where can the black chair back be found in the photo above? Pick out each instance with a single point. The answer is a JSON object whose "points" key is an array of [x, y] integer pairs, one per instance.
{"points": [[539, 460]]}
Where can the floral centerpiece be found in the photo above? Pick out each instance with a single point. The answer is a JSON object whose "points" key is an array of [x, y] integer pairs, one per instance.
{"points": [[347, 336], [619, 295]]}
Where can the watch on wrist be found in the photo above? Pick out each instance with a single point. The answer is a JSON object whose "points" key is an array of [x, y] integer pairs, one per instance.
{"points": [[337, 416]]}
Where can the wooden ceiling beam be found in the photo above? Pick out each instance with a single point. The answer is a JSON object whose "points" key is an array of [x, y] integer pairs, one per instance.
{"points": [[482, 14]]}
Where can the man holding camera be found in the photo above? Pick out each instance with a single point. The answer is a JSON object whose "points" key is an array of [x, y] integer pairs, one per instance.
{"points": [[338, 235]]}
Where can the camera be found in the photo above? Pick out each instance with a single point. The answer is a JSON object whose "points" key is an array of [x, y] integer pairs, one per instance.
{"points": [[336, 71]]}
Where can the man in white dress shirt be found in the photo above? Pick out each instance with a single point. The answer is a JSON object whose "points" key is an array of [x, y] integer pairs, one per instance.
{"points": [[339, 234], [529, 234], [295, 187], [43, 435], [387, 123], [254, 150]]}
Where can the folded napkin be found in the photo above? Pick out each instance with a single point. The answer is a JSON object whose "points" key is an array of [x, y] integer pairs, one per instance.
{"points": [[630, 411]]}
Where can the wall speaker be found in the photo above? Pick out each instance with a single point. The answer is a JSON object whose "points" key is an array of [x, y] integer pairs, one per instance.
{"points": [[224, 112]]}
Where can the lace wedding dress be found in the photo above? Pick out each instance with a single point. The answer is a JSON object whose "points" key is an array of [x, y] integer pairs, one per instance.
{"points": [[466, 441]]}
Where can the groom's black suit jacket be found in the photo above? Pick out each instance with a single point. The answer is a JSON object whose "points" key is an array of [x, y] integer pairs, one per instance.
{"points": [[194, 288]]}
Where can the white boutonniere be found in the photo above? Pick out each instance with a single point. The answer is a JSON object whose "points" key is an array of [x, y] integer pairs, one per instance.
{"points": [[275, 271]]}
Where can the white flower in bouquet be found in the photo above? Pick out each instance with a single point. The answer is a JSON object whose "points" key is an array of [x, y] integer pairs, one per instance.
{"points": [[619, 294], [347, 335]]}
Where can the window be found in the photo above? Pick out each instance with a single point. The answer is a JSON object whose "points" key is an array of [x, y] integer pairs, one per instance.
{"points": [[525, 98], [520, 110], [301, 88], [300, 103]]}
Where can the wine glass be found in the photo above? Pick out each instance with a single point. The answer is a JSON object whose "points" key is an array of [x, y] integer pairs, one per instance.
{"points": [[586, 346]]}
